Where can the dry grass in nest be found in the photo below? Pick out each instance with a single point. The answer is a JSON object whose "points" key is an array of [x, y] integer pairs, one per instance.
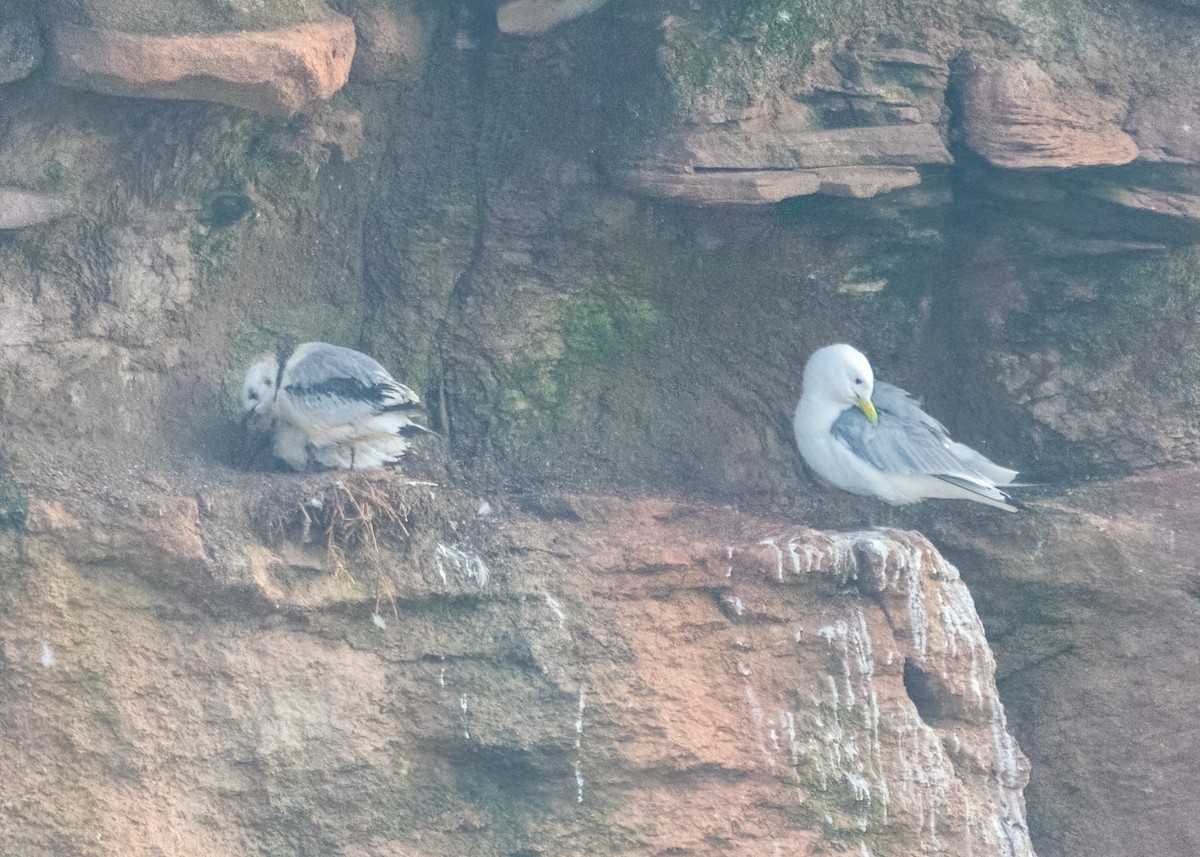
{"points": [[351, 516]]}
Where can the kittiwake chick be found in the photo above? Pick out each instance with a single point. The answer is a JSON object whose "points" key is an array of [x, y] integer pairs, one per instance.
{"points": [[331, 407]]}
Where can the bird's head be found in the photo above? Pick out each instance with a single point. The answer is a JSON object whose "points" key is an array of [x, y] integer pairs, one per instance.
{"points": [[841, 375], [258, 389]]}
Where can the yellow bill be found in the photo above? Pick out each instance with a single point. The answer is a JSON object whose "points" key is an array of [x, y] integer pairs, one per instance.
{"points": [[868, 409]]}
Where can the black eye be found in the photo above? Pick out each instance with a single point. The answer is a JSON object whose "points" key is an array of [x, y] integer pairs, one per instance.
{"points": [[252, 397], [858, 382], [270, 384]]}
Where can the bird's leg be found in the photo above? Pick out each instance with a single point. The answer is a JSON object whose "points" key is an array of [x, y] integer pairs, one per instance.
{"points": [[311, 465], [883, 515]]}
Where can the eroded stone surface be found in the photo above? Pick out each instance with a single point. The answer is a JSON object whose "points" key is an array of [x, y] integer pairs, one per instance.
{"points": [[634, 664], [855, 131], [1015, 118], [272, 71]]}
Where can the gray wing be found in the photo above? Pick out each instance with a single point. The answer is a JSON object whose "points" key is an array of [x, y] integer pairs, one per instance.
{"points": [[327, 379], [905, 441]]}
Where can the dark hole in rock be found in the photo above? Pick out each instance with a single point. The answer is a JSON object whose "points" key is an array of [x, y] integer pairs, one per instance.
{"points": [[226, 209], [923, 690]]}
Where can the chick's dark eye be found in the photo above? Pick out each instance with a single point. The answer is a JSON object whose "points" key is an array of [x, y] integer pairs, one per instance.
{"points": [[252, 397], [270, 384], [858, 382]]}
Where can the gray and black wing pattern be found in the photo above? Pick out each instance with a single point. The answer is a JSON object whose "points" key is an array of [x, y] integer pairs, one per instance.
{"points": [[906, 440], [339, 383]]}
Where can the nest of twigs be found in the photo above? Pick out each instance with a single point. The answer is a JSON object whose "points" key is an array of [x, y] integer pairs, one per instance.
{"points": [[352, 519]]}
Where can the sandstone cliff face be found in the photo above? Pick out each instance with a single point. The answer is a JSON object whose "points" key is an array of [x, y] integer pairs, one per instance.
{"points": [[625, 677], [600, 239]]}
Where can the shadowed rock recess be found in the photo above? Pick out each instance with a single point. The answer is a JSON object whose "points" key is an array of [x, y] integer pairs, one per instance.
{"points": [[605, 610]]}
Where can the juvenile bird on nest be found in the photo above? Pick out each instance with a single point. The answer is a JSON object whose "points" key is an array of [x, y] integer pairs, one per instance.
{"points": [[330, 407], [871, 438]]}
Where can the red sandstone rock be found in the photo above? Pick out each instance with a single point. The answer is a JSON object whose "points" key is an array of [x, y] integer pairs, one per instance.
{"points": [[1017, 118], [763, 162], [271, 71], [642, 678]]}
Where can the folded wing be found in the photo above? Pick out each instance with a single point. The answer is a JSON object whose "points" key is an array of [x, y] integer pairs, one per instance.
{"points": [[908, 441]]}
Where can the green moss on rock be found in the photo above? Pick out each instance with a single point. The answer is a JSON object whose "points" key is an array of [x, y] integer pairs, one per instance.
{"points": [[597, 331], [14, 504]]}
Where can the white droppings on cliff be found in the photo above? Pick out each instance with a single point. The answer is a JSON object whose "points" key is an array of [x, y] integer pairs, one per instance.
{"points": [[1008, 761], [462, 703], [862, 789], [557, 610], [47, 655], [831, 683], [379, 621], [794, 554], [909, 573], [442, 677], [960, 627], [863, 851], [778, 556], [579, 748], [469, 564], [761, 725], [787, 721], [925, 777], [485, 509], [849, 750], [736, 603]]}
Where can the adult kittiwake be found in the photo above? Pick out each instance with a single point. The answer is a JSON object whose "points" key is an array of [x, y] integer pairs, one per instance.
{"points": [[330, 407], [873, 439]]}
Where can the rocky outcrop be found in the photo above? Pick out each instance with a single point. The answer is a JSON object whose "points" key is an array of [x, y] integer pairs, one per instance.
{"points": [[768, 161], [1093, 613], [585, 676], [271, 71], [1015, 118], [788, 149]]}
